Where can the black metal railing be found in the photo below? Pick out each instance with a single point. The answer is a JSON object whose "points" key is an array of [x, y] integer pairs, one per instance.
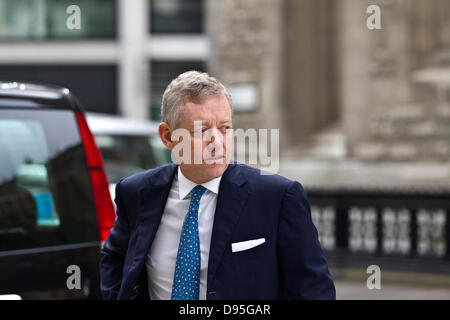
{"points": [[394, 229]]}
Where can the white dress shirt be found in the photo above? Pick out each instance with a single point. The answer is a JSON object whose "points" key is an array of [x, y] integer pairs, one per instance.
{"points": [[160, 263]]}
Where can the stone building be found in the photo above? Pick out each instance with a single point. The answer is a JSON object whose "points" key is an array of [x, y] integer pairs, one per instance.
{"points": [[286, 49], [303, 66], [395, 87], [317, 65]]}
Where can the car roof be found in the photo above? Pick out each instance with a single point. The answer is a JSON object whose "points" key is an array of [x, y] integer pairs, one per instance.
{"points": [[27, 94], [109, 124]]}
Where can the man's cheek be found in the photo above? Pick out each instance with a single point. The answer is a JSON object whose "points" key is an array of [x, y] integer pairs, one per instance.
{"points": [[197, 150]]}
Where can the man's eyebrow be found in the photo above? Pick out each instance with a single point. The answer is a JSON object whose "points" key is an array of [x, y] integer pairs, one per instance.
{"points": [[208, 122], [201, 121]]}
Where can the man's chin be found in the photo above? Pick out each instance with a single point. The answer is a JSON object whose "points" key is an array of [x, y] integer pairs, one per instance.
{"points": [[213, 170], [216, 167], [208, 171]]}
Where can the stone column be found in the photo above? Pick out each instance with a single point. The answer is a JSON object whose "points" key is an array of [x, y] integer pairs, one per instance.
{"points": [[247, 49], [377, 101], [310, 67], [134, 86]]}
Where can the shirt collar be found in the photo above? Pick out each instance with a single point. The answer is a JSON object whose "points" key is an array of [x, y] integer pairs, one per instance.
{"points": [[185, 185]]}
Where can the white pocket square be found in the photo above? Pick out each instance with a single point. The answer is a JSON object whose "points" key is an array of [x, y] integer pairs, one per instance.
{"points": [[245, 245]]}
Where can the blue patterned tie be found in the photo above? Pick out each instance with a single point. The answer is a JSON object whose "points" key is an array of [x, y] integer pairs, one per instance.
{"points": [[186, 281]]}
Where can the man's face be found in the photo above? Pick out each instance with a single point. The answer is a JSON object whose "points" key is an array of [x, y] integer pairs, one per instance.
{"points": [[210, 138]]}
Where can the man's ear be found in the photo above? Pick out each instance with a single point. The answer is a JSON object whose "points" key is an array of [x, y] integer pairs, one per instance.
{"points": [[165, 134]]}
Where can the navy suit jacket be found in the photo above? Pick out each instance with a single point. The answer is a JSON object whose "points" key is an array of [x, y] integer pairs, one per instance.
{"points": [[290, 264]]}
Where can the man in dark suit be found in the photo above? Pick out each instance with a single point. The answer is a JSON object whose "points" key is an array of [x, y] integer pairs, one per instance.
{"points": [[209, 228]]}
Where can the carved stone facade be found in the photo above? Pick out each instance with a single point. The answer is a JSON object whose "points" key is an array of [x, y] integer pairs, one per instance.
{"points": [[283, 47], [315, 62], [247, 49], [395, 80], [310, 67]]}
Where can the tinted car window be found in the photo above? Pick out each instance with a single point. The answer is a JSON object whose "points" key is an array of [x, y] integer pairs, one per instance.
{"points": [[125, 155], [45, 191]]}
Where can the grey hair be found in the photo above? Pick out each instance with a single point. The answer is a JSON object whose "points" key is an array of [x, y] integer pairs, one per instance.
{"points": [[190, 86]]}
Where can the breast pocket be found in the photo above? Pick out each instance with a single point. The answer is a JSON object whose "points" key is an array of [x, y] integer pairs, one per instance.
{"points": [[249, 254]]}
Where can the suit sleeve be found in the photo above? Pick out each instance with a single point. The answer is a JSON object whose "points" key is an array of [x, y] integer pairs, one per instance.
{"points": [[303, 266], [114, 251]]}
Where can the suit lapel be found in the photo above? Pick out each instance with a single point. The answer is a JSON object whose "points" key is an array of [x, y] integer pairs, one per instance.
{"points": [[151, 203], [153, 197], [231, 200]]}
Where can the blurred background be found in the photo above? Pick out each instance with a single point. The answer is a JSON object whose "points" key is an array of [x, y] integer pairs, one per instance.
{"points": [[364, 115]]}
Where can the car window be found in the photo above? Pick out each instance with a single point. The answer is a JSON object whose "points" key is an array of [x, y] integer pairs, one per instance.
{"points": [[45, 191], [24, 142], [161, 153], [125, 155]]}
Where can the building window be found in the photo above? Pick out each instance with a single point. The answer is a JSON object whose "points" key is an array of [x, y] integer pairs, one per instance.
{"points": [[176, 16], [94, 86], [162, 72], [47, 19], [363, 229]]}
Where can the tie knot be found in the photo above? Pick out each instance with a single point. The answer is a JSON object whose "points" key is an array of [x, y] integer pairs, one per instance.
{"points": [[198, 191]]}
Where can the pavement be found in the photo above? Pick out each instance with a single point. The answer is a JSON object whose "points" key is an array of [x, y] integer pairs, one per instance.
{"points": [[324, 163], [349, 290]]}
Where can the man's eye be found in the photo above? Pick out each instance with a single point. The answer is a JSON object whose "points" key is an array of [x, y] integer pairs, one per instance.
{"points": [[199, 130]]}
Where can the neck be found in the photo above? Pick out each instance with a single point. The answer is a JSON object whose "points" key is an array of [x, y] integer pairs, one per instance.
{"points": [[194, 178]]}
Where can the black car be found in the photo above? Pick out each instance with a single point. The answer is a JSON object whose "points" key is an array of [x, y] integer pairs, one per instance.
{"points": [[55, 207]]}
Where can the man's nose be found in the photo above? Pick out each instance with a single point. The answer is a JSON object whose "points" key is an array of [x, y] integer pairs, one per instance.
{"points": [[216, 136]]}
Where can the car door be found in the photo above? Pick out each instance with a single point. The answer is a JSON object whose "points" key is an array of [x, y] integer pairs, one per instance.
{"points": [[47, 213]]}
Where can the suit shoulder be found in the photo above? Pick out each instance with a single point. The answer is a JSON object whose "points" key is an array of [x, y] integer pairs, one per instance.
{"points": [[260, 177], [142, 178]]}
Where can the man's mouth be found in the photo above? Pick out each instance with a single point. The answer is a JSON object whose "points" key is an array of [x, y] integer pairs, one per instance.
{"points": [[215, 160]]}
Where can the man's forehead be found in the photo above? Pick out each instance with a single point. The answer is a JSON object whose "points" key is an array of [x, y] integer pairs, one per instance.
{"points": [[204, 121], [207, 109], [208, 123], [214, 109], [207, 116]]}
